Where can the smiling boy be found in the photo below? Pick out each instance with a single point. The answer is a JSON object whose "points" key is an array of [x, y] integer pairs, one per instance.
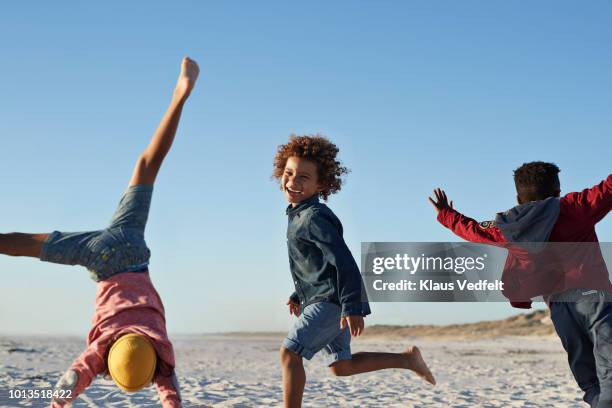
{"points": [[329, 298]]}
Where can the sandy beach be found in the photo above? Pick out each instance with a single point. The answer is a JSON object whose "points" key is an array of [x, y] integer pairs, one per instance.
{"points": [[243, 371]]}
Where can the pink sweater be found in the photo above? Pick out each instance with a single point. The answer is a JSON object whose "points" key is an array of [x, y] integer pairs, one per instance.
{"points": [[126, 303]]}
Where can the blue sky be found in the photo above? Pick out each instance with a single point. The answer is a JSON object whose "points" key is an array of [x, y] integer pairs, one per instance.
{"points": [[415, 94]]}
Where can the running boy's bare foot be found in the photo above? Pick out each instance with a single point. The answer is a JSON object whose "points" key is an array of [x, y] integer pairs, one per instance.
{"points": [[414, 361], [187, 78]]}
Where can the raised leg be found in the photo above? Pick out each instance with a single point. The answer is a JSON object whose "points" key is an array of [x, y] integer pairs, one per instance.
{"points": [[20, 244], [150, 161], [364, 362]]}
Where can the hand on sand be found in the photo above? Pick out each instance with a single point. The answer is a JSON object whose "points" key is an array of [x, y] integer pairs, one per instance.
{"points": [[441, 200], [294, 308], [355, 324], [187, 78]]}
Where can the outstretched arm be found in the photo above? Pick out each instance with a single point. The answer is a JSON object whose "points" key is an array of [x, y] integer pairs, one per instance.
{"points": [[78, 377], [594, 203], [168, 390], [150, 161], [463, 226]]}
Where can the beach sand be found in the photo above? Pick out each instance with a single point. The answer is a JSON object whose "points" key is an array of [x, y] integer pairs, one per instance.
{"points": [[243, 371]]}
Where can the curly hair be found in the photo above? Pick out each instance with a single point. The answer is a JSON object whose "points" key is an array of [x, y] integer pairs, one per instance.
{"points": [[537, 181], [318, 149]]}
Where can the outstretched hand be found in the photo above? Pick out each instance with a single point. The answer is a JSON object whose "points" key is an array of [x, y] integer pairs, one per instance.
{"points": [[441, 201], [355, 324]]}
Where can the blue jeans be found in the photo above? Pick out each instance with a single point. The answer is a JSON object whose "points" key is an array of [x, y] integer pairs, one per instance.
{"points": [[583, 321], [318, 328], [120, 247]]}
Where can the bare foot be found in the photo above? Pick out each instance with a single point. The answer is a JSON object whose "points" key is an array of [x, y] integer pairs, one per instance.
{"points": [[187, 78], [414, 361]]}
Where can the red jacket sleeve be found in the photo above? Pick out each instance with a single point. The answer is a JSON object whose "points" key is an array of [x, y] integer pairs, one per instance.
{"points": [[472, 231], [592, 204], [168, 390], [78, 377], [469, 229]]}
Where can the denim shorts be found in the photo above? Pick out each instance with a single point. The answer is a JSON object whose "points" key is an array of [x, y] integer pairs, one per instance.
{"points": [[119, 248], [318, 328]]}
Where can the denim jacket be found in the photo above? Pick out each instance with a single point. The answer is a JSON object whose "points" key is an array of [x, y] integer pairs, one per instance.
{"points": [[322, 266]]}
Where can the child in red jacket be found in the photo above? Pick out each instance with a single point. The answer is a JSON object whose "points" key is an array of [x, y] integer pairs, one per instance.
{"points": [[579, 294]]}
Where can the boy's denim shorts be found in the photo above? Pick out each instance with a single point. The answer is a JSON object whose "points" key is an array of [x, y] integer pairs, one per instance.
{"points": [[119, 248], [318, 328]]}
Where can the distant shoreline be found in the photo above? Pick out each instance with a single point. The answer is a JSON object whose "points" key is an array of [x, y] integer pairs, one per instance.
{"points": [[536, 324]]}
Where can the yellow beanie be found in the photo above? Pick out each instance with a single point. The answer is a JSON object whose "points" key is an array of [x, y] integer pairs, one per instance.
{"points": [[131, 362]]}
